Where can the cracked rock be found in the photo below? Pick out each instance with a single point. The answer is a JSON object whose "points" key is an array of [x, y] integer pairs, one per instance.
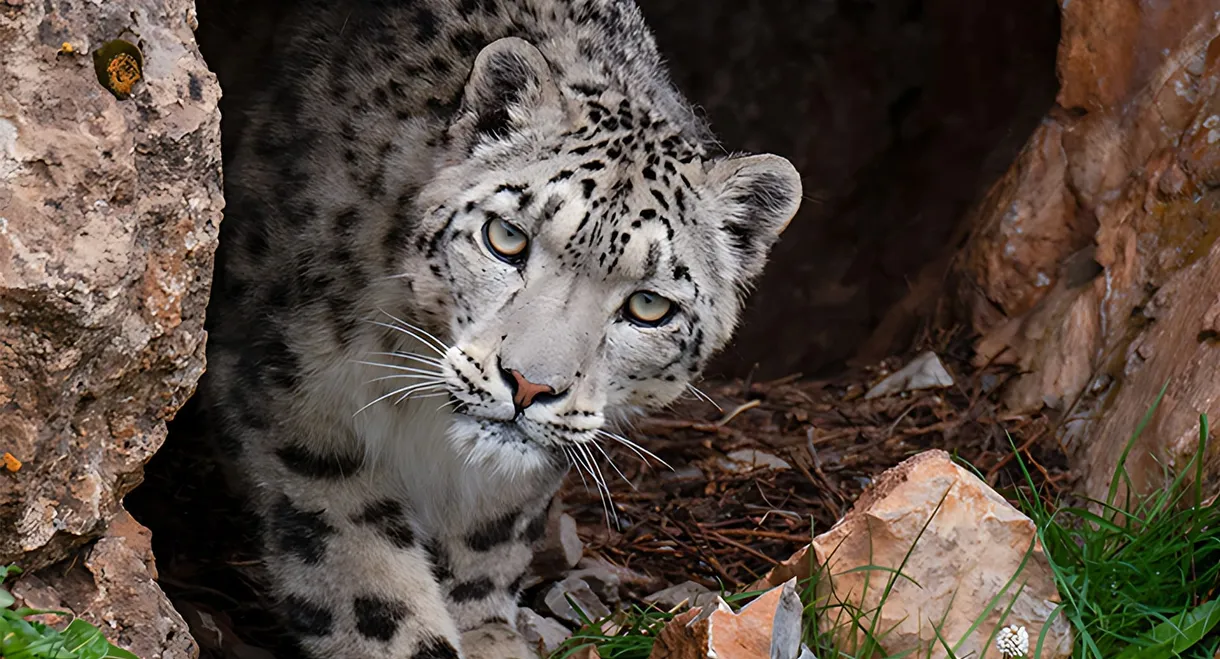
{"points": [[591, 607]]}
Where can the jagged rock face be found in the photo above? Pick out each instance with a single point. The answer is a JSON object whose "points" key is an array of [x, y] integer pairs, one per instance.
{"points": [[1094, 261], [108, 218]]}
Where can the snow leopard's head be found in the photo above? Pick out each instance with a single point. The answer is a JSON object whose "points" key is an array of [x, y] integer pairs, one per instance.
{"points": [[585, 255]]}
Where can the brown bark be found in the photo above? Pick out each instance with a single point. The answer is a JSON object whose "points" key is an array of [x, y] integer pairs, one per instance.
{"points": [[1094, 263], [108, 217]]}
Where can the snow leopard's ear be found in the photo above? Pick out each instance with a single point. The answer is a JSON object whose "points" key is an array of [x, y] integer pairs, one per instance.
{"points": [[758, 195], [510, 86]]}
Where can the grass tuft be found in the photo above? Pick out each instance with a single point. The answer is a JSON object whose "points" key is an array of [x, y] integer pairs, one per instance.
{"points": [[1141, 579]]}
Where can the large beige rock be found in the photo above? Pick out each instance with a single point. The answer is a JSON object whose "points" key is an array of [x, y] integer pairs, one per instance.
{"points": [[108, 219], [969, 553]]}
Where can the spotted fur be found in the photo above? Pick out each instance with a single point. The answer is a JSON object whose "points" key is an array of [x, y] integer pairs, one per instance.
{"points": [[353, 265]]}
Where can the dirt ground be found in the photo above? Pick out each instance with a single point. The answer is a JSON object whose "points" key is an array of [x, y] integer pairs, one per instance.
{"points": [[708, 519]]}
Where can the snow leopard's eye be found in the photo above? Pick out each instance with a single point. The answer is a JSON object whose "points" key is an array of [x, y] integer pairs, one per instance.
{"points": [[648, 309], [506, 240]]}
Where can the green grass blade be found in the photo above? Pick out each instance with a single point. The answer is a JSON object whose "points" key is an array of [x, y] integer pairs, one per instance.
{"points": [[1122, 459], [1177, 635]]}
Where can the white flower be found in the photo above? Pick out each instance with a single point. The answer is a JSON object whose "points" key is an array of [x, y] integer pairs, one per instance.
{"points": [[1012, 641]]}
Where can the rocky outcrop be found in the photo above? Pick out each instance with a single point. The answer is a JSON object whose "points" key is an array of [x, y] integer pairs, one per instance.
{"points": [[108, 218], [112, 585], [1094, 265]]}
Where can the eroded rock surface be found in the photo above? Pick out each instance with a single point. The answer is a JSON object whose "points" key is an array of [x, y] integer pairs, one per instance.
{"points": [[1094, 265], [108, 219]]}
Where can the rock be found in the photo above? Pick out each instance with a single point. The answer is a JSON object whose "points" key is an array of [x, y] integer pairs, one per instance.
{"points": [[806, 653], [768, 627], [495, 641], [1093, 264], [924, 372], [561, 547], [745, 460], [108, 222], [542, 633], [971, 549], [602, 580], [685, 594], [684, 473], [625, 576], [112, 587], [591, 607]]}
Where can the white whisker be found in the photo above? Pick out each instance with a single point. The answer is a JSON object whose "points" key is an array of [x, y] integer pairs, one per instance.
{"points": [[405, 324], [416, 388], [410, 355], [600, 479], [576, 465], [702, 396], [407, 369], [424, 342], [635, 447], [409, 389], [408, 376], [610, 460]]}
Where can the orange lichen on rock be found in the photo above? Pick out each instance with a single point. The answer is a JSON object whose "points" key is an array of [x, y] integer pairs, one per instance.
{"points": [[124, 73]]}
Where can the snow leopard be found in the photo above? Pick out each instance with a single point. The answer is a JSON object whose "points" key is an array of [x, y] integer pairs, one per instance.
{"points": [[464, 241]]}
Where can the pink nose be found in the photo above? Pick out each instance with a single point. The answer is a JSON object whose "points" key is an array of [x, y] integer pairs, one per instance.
{"points": [[525, 391]]}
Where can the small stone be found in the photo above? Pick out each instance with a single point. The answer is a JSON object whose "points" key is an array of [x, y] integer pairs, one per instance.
{"points": [[495, 641], [745, 460], [602, 579], [591, 607], [924, 372], [688, 472], [561, 548], [685, 594], [543, 633], [806, 653]]}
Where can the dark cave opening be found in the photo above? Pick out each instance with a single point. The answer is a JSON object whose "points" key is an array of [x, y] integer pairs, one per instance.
{"points": [[897, 113]]}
